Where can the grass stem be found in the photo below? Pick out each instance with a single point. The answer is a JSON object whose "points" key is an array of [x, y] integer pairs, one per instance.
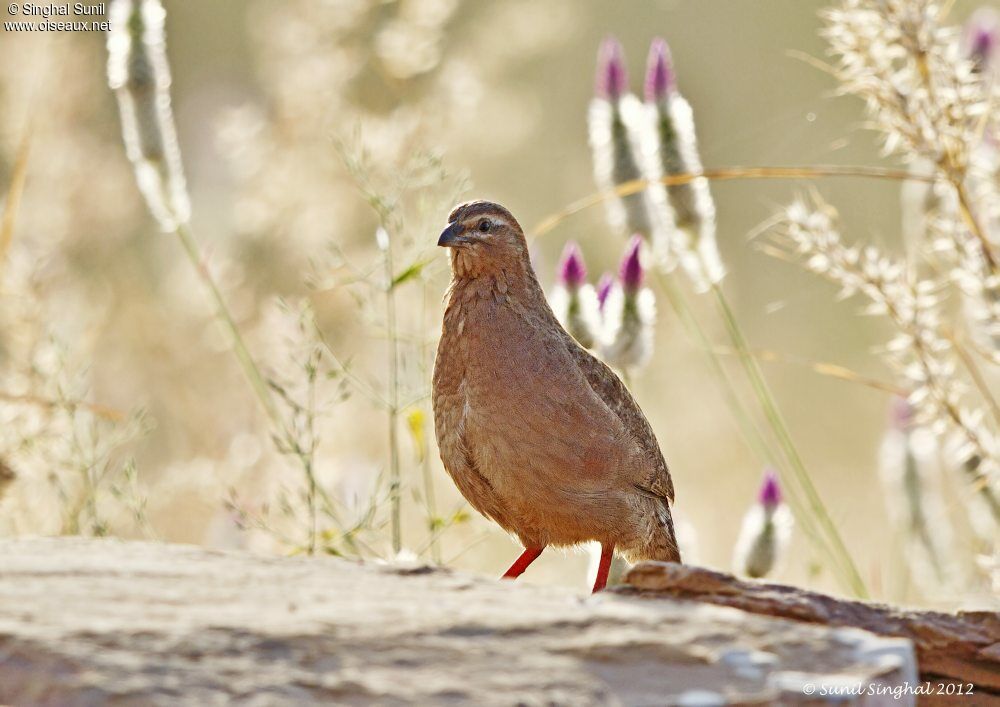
{"points": [[259, 385], [845, 568], [754, 438], [724, 174], [430, 499], [256, 379], [395, 481]]}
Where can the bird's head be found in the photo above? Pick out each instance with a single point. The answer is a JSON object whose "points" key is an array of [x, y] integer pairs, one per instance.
{"points": [[485, 238]]}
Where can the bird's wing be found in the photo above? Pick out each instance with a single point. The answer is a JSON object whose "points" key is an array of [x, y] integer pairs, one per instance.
{"points": [[533, 422], [616, 396], [450, 409]]}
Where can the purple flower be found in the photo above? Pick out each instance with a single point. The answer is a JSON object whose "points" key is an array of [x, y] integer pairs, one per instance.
{"points": [[769, 495], [660, 78], [604, 286], [901, 414], [982, 37], [612, 77], [766, 530], [572, 270], [631, 272]]}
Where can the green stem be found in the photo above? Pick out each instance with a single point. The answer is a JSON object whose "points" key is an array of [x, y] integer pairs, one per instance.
{"points": [[430, 499], [307, 461], [250, 369], [258, 382], [755, 439], [847, 570], [752, 435], [395, 482], [311, 501]]}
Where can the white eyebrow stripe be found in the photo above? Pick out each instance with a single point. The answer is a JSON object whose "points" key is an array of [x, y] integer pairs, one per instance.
{"points": [[494, 219]]}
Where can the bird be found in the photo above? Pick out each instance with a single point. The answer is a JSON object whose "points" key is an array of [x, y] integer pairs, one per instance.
{"points": [[538, 434]]}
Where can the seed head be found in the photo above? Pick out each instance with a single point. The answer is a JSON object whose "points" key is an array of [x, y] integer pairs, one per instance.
{"points": [[982, 37], [572, 269], [604, 286], [660, 79], [629, 314], [139, 75], [670, 147], [765, 531], [613, 122], [910, 472], [631, 268], [612, 76], [901, 414], [573, 301], [769, 495]]}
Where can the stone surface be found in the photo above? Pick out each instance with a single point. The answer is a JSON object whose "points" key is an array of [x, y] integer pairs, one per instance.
{"points": [[963, 647], [89, 622]]}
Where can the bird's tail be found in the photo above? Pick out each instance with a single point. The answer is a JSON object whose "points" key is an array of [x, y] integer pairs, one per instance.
{"points": [[660, 551], [661, 541]]}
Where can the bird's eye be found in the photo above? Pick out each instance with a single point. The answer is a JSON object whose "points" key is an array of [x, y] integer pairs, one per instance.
{"points": [[485, 226]]}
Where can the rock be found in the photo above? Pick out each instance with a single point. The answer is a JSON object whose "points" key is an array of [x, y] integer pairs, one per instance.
{"points": [[91, 622], [962, 648]]}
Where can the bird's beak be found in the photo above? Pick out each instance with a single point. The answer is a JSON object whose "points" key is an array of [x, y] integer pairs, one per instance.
{"points": [[452, 236]]}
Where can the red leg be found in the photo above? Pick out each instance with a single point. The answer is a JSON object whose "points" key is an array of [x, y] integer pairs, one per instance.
{"points": [[529, 555], [607, 553]]}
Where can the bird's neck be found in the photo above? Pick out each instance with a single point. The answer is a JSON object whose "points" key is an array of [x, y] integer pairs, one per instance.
{"points": [[512, 278]]}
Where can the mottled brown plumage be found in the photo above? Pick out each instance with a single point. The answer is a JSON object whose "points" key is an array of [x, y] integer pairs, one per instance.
{"points": [[538, 434]]}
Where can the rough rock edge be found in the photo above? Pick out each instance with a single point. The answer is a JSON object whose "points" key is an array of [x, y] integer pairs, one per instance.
{"points": [[92, 622], [964, 646]]}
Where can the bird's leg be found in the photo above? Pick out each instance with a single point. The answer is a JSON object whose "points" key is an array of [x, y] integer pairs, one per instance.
{"points": [[607, 553], [529, 555]]}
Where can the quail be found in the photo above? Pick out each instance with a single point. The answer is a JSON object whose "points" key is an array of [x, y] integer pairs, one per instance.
{"points": [[537, 434]]}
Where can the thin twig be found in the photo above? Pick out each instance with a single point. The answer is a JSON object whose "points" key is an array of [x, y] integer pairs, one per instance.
{"points": [[257, 381], [454, 518], [974, 373], [478, 541], [751, 434], [755, 439], [948, 164], [720, 175], [363, 387], [110, 414], [430, 498], [19, 171], [822, 368], [837, 548], [14, 191], [392, 413], [812, 61]]}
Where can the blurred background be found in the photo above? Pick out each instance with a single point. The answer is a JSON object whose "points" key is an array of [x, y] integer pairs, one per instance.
{"points": [[294, 117]]}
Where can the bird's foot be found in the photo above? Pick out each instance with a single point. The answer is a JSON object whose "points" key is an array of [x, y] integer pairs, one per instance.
{"points": [[529, 555], [607, 553]]}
